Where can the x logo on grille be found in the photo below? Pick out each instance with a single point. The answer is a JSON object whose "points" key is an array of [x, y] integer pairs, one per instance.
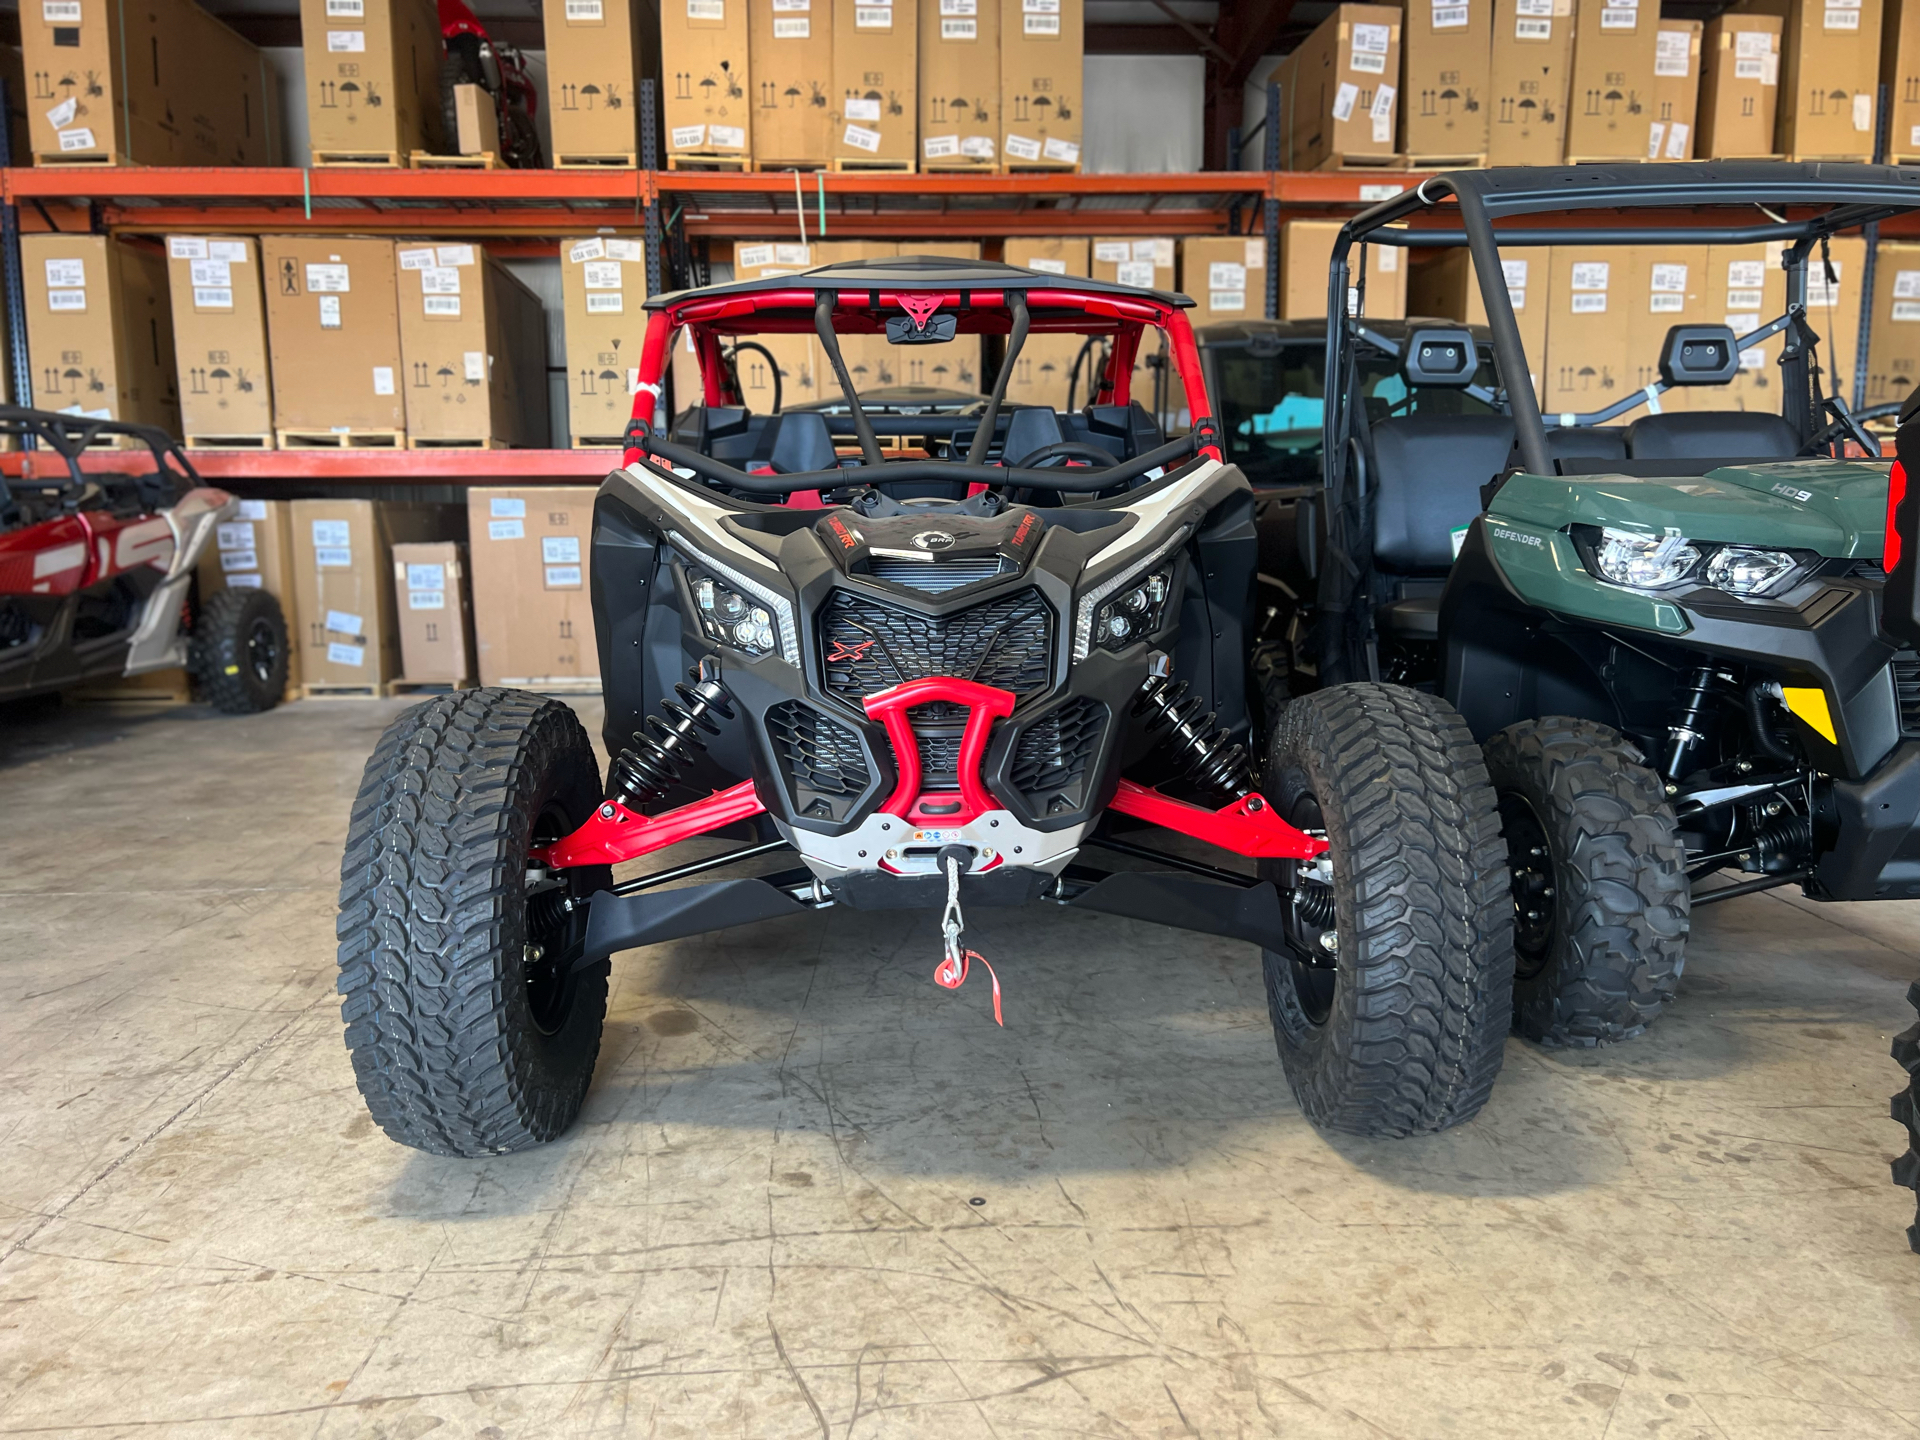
{"points": [[855, 652]]}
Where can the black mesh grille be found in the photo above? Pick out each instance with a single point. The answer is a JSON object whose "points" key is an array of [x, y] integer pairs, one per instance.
{"points": [[869, 645], [1054, 752], [937, 729], [937, 576], [818, 752], [1906, 685]]}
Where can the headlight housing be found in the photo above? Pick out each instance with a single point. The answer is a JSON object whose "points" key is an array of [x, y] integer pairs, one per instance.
{"points": [[1744, 570], [1135, 613], [730, 617], [1644, 562]]}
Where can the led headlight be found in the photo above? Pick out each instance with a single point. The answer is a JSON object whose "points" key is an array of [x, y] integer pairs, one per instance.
{"points": [[1644, 562], [1743, 570], [730, 617], [1135, 612]]}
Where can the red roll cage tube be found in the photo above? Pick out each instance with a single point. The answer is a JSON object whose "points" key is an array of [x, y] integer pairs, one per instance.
{"points": [[615, 834]]}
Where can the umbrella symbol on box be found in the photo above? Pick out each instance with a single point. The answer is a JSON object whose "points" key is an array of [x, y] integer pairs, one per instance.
{"points": [[351, 87], [939, 370], [1047, 367], [446, 373], [589, 91], [1041, 104], [707, 86], [793, 94], [220, 372], [1447, 97]]}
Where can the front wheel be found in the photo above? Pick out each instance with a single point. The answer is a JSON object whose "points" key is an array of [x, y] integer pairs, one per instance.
{"points": [[472, 1029], [1391, 987], [238, 651], [1600, 890]]}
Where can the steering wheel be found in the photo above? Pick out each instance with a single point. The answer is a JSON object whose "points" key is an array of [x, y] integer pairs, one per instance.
{"points": [[1844, 425], [1065, 450]]}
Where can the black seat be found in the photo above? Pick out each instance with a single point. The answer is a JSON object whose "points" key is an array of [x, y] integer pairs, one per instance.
{"points": [[801, 442], [1428, 471], [1590, 442], [1031, 428], [1712, 435]]}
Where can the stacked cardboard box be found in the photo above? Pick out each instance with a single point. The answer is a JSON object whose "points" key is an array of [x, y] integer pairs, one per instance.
{"points": [[1042, 46], [797, 362], [597, 50], [1588, 363], [373, 80], [1044, 372], [1448, 59], [532, 615], [473, 344], [1338, 90], [1149, 264], [1530, 72], [100, 328], [1895, 367], [875, 80], [1442, 283], [333, 330], [1900, 73], [960, 85], [1752, 284], [344, 619], [1831, 60], [603, 284], [434, 613], [160, 83], [1676, 90], [706, 80], [1306, 252], [790, 51], [1226, 276], [220, 341], [1611, 100], [1739, 87]]}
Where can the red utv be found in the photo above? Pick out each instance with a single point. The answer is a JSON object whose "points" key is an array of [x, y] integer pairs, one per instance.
{"points": [[937, 660]]}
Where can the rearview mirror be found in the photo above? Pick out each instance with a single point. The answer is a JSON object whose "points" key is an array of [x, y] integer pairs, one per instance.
{"points": [[937, 330], [1444, 358], [1699, 355]]}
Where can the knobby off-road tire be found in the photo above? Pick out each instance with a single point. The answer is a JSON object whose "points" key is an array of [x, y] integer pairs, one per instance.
{"points": [[237, 652], [1402, 1033], [1600, 920], [1906, 1109], [470, 1030]]}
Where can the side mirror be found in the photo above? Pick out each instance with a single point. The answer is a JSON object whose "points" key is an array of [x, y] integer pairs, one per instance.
{"points": [[1444, 358], [1699, 355]]}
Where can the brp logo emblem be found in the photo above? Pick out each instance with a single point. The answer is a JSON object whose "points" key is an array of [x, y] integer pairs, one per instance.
{"points": [[933, 540]]}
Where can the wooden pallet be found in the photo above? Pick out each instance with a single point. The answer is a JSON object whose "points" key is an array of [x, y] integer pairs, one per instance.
{"points": [[439, 442], [963, 165], [155, 687], [618, 160], [230, 442], [599, 442], [1341, 161], [359, 159], [485, 160], [331, 690], [1447, 162], [860, 164], [58, 161], [554, 684], [694, 160], [1038, 167], [343, 439], [776, 167], [429, 687]]}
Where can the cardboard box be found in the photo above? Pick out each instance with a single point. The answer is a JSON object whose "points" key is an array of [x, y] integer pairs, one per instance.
{"points": [[1042, 57], [1044, 368], [333, 331], [344, 620], [1442, 283], [801, 368], [1831, 59], [960, 83], [254, 551], [1588, 365], [1530, 72], [1676, 90], [100, 328], [473, 341], [870, 360], [1739, 87], [603, 287], [1665, 285], [790, 49], [475, 120], [532, 613], [1895, 367], [875, 81], [435, 617], [1306, 252], [373, 78], [1226, 275], [597, 51], [1900, 73], [1149, 264], [1448, 59], [1611, 95], [159, 83], [703, 57], [1833, 309], [954, 366], [220, 338], [1339, 87]]}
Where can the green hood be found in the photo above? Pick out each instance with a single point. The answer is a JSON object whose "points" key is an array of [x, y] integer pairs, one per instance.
{"points": [[1837, 508]]}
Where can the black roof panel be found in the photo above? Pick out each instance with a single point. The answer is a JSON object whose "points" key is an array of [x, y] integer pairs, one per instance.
{"points": [[920, 272]]}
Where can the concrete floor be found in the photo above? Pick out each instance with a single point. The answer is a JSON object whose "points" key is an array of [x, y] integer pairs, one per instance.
{"points": [[813, 1194]]}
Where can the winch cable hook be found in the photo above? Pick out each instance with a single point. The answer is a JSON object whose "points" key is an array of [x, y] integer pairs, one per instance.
{"points": [[951, 973]]}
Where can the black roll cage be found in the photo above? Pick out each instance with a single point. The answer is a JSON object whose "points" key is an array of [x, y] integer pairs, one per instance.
{"points": [[1856, 194]]}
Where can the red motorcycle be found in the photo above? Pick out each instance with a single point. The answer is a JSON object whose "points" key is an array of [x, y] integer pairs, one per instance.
{"points": [[475, 58]]}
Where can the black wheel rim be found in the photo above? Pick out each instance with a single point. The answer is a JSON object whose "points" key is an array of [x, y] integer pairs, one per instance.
{"points": [[263, 650], [1530, 862], [556, 933], [1311, 913]]}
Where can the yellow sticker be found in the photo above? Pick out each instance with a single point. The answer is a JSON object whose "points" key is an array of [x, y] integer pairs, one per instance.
{"points": [[233, 669], [1810, 704]]}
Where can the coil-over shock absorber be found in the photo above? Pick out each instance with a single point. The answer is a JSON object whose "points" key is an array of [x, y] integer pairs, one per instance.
{"points": [[1205, 757], [663, 749]]}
